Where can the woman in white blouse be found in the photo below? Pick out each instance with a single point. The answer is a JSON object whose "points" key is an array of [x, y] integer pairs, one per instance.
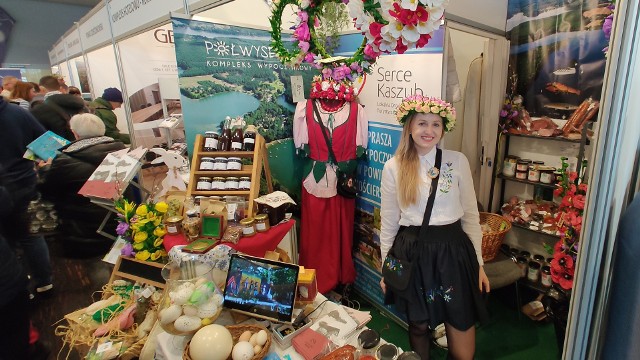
{"points": [[448, 278]]}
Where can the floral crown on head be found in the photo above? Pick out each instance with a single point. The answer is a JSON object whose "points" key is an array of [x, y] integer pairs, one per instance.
{"points": [[329, 88], [428, 105]]}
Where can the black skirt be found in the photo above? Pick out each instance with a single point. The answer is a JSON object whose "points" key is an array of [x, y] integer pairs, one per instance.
{"points": [[445, 281]]}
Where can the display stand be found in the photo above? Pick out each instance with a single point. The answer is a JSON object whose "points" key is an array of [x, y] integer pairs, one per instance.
{"points": [[253, 171]]}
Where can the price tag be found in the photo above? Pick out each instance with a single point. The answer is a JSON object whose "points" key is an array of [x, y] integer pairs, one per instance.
{"points": [[147, 292], [104, 347], [297, 88]]}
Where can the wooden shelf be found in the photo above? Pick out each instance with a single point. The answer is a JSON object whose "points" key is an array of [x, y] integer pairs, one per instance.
{"points": [[246, 171], [535, 231], [213, 154], [259, 163], [537, 286], [220, 192], [535, 183], [556, 138]]}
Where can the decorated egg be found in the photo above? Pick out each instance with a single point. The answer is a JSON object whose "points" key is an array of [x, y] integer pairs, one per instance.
{"points": [[218, 299], [186, 323], [190, 310], [181, 296], [245, 336], [207, 310], [242, 351], [261, 337], [170, 314], [212, 342]]}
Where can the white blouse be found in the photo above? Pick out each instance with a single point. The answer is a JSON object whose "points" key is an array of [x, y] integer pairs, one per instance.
{"points": [[455, 199]]}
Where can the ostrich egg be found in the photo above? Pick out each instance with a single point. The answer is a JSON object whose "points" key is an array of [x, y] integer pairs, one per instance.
{"points": [[212, 342]]}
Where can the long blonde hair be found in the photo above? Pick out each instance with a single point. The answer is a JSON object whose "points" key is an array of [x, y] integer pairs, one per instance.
{"points": [[408, 167]]}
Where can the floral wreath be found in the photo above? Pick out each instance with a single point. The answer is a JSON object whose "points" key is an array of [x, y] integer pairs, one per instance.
{"points": [[428, 105], [388, 26], [329, 88]]}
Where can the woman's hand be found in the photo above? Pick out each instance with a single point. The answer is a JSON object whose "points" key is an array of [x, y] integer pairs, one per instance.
{"points": [[383, 286], [484, 281]]}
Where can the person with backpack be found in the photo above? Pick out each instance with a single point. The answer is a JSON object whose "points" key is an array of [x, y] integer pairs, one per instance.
{"points": [[103, 107]]}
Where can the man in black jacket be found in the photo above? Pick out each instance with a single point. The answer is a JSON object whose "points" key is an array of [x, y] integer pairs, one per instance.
{"points": [[19, 128], [67, 174], [56, 110]]}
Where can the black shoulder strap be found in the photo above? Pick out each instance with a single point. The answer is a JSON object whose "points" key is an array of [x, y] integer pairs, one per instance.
{"points": [[432, 196], [324, 133]]}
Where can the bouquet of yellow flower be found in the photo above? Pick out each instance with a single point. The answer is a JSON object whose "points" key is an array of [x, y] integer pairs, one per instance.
{"points": [[143, 229]]}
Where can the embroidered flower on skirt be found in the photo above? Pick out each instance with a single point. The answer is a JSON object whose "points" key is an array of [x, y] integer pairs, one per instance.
{"points": [[432, 294], [394, 265]]}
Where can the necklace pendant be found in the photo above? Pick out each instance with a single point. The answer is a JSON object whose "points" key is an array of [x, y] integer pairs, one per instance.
{"points": [[433, 172]]}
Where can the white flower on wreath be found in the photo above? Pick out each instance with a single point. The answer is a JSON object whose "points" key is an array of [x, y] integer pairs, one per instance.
{"points": [[385, 6], [409, 4], [325, 85], [305, 4], [435, 14], [410, 34], [434, 3], [395, 28]]}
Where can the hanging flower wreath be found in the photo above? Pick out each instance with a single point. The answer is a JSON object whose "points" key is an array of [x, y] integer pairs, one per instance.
{"points": [[388, 26]]}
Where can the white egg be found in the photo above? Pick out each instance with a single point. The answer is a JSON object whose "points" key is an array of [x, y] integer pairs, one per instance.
{"points": [[252, 340], [218, 299], [187, 323], [261, 337], [212, 342], [207, 310], [242, 351], [170, 314], [245, 336], [190, 310], [186, 285], [181, 296], [200, 281]]}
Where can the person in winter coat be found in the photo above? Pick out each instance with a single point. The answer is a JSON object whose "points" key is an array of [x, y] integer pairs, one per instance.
{"points": [[111, 99], [67, 174], [56, 111]]}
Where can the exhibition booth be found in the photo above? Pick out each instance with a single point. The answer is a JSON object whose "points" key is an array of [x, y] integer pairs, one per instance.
{"points": [[242, 231]]}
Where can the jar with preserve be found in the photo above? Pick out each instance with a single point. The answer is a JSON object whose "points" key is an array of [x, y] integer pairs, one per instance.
{"points": [[262, 223], [533, 174], [244, 183], [248, 226], [523, 165], [220, 163], [249, 141], [236, 139], [509, 166], [547, 175], [211, 140], [204, 183], [206, 163], [234, 163], [231, 183]]}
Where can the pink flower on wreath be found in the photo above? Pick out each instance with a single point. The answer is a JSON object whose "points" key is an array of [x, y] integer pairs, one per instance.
{"points": [[375, 29], [370, 52], [310, 57], [316, 22], [304, 46], [303, 16], [401, 47], [302, 32], [424, 39]]}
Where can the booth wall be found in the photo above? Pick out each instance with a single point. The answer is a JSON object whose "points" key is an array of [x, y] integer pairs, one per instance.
{"points": [[248, 12], [36, 29]]}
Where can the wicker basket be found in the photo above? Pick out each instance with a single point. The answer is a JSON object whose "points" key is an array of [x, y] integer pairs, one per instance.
{"points": [[492, 240], [236, 331]]}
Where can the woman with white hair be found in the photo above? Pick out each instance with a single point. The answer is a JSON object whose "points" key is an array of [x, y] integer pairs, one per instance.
{"points": [[68, 172]]}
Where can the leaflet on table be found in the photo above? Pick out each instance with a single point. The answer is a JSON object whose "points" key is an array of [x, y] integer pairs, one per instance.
{"points": [[337, 325], [113, 174]]}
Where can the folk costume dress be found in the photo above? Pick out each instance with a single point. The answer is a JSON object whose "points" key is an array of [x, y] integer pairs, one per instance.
{"points": [[326, 233], [445, 285]]}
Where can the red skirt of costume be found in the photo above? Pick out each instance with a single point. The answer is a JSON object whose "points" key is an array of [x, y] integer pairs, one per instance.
{"points": [[326, 229]]}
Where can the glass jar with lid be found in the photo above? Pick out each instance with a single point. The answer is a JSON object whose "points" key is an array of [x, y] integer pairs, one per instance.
{"points": [[509, 166], [249, 141], [262, 223], [173, 224], [547, 175], [523, 165], [220, 163], [206, 163], [248, 226], [244, 183], [534, 173], [204, 183], [236, 139], [231, 183], [211, 141], [234, 163], [218, 183], [368, 341]]}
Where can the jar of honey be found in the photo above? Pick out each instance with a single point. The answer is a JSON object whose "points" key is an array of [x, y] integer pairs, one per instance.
{"points": [[262, 223], [248, 226], [173, 224]]}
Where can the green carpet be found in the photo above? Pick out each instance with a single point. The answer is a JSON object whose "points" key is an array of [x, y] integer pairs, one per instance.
{"points": [[506, 336]]}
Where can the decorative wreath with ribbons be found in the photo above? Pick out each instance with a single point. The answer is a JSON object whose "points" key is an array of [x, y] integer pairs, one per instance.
{"points": [[388, 26]]}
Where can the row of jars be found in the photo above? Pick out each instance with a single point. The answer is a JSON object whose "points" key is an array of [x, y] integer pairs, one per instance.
{"points": [[252, 225], [534, 267], [526, 169], [220, 163], [230, 141], [223, 183]]}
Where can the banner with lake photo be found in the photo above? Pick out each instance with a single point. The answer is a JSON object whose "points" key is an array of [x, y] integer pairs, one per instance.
{"points": [[228, 70], [557, 59]]}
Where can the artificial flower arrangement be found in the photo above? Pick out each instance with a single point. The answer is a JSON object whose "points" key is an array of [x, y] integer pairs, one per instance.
{"points": [[388, 26], [331, 88], [424, 104], [510, 113], [572, 190], [143, 228]]}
